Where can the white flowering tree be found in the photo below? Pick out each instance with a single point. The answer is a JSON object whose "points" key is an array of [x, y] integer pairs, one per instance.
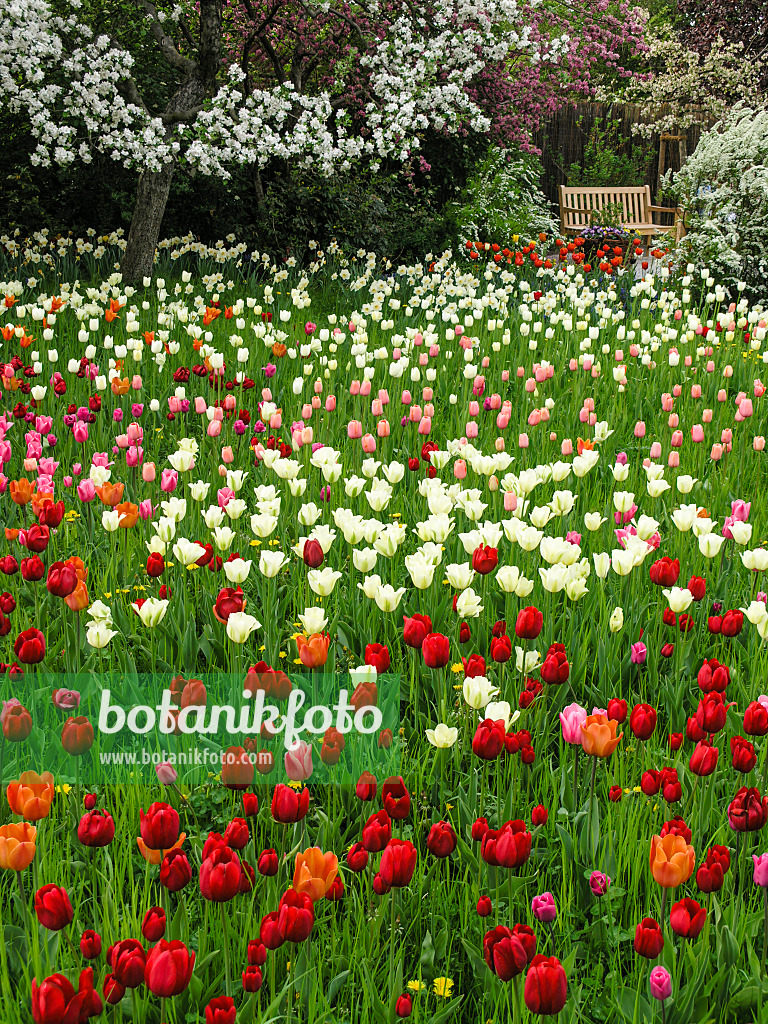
{"points": [[322, 82]]}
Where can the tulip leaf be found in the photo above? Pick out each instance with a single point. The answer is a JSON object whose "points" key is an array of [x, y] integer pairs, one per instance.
{"points": [[478, 964], [336, 985], [427, 957], [628, 998], [379, 1010], [446, 1012]]}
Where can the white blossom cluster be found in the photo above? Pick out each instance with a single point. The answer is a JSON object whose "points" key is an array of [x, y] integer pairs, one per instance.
{"points": [[71, 85]]}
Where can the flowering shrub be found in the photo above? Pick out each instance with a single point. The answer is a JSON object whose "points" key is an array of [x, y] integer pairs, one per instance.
{"points": [[724, 190], [504, 199]]}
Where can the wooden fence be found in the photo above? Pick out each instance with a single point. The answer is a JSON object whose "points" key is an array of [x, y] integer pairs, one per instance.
{"points": [[564, 139]]}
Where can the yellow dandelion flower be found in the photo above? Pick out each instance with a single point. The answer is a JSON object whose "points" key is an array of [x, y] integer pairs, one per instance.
{"points": [[443, 987], [458, 667], [416, 985]]}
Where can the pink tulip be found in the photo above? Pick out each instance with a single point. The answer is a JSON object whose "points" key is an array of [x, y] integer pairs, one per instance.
{"points": [[169, 480], [298, 762], [86, 490], [354, 430], [571, 719], [148, 472]]}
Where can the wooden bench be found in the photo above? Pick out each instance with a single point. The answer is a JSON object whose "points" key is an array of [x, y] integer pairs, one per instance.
{"points": [[577, 204]]}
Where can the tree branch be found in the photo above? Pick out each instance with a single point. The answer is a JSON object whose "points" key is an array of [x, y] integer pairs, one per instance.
{"points": [[165, 42], [209, 50], [274, 59], [177, 116]]}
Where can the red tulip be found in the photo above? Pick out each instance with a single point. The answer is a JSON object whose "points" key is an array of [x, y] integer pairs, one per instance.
{"points": [[313, 553], [153, 925], [378, 656], [488, 741], [30, 647], [377, 832], [649, 940], [267, 863], [396, 798], [295, 916], [168, 968], [357, 858], [175, 870], [555, 668], [113, 990], [90, 944], [416, 629], [501, 649], [220, 875], [366, 787], [711, 712], [687, 918], [77, 736], [743, 757], [747, 812], [665, 571], [250, 805], [155, 565], [256, 953], [441, 841], [288, 806], [52, 906], [756, 719], [617, 710], [504, 953], [546, 987], [484, 559], [159, 826], [398, 862], [435, 649], [269, 933], [37, 538], [236, 834], [529, 623], [55, 1000], [96, 829], [127, 960], [252, 979], [220, 1010], [642, 721], [237, 769]]}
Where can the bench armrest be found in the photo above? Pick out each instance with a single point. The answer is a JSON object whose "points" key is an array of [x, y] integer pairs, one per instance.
{"points": [[677, 210]]}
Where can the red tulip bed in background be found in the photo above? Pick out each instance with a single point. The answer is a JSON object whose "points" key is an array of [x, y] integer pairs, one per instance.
{"points": [[515, 504]]}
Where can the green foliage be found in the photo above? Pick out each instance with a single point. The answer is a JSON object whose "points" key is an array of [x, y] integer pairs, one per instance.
{"points": [[606, 161], [611, 216], [503, 199]]}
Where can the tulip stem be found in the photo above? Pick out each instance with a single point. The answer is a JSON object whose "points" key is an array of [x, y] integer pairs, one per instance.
{"points": [[765, 932], [515, 1002], [225, 944], [591, 802], [576, 752], [2, 758]]}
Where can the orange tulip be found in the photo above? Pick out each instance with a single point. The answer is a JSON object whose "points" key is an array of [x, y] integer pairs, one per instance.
{"points": [[279, 349], [121, 387], [17, 846], [156, 856], [111, 494], [39, 499], [598, 735], [129, 514], [78, 566], [111, 313], [313, 650], [78, 599], [672, 860], [11, 534], [21, 491], [315, 872], [31, 795], [210, 315]]}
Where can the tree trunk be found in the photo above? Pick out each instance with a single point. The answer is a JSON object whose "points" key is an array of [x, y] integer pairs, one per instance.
{"points": [[154, 186], [151, 198]]}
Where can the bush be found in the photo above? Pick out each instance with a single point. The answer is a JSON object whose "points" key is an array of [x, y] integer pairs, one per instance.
{"points": [[724, 191], [503, 199], [605, 160]]}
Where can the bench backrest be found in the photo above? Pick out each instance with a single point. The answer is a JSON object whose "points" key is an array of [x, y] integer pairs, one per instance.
{"points": [[577, 202]]}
